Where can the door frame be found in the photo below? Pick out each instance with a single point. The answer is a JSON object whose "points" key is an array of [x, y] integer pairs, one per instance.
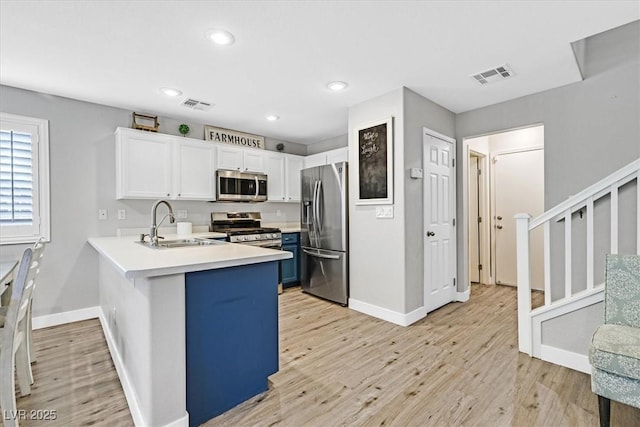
{"points": [[463, 271], [454, 203], [484, 211]]}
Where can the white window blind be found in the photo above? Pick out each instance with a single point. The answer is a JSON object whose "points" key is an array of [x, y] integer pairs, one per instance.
{"points": [[24, 179], [16, 178]]}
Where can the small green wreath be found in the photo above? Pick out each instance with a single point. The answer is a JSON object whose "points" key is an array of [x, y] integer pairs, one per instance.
{"points": [[183, 129]]}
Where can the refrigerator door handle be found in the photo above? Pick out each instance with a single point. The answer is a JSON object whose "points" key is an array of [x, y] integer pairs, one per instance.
{"points": [[319, 255], [319, 208]]}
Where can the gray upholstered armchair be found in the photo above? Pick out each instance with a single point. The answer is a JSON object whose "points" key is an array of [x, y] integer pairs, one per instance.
{"points": [[615, 347]]}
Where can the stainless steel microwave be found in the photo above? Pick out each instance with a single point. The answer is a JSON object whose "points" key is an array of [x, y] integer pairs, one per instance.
{"points": [[234, 186]]}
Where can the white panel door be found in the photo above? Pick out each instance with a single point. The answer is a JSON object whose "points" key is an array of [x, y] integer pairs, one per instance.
{"points": [[194, 171], [439, 213], [519, 188]]}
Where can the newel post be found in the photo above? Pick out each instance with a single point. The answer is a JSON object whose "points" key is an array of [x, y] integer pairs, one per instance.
{"points": [[524, 285]]}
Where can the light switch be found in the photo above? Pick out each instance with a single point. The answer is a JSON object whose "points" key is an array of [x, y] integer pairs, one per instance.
{"points": [[102, 214]]}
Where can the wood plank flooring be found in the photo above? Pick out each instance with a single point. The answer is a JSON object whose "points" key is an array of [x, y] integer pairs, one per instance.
{"points": [[459, 366]]}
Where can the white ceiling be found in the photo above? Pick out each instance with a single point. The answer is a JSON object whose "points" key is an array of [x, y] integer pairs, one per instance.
{"points": [[120, 53]]}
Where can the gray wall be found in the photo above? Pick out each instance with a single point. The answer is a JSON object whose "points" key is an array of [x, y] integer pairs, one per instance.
{"points": [[82, 177]]}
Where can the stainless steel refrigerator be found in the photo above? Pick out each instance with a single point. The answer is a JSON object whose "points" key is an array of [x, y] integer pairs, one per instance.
{"points": [[324, 234]]}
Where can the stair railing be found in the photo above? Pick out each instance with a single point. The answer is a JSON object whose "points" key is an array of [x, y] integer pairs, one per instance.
{"points": [[563, 211]]}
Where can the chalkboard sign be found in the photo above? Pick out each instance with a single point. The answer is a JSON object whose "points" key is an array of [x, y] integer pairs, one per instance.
{"points": [[375, 167]]}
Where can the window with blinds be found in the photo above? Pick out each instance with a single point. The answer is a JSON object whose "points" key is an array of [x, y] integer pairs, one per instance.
{"points": [[16, 177], [24, 179]]}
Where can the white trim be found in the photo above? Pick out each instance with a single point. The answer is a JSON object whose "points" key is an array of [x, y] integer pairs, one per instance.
{"points": [[568, 359], [386, 314], [463, 296], [66, 317]]}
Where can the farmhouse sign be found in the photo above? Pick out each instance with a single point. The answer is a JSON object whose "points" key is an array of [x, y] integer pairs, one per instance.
{"points": [[227, 136]]}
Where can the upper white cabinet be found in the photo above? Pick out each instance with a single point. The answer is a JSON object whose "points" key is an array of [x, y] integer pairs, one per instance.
{"points": [[246, 160], [143, 165], [158, 166], [337, 155], [283, 172], [315, 160], [194, 170], [293, 166], [327, 157]]}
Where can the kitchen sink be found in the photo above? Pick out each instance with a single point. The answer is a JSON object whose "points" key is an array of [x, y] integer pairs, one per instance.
{"points": [[182, 243]]}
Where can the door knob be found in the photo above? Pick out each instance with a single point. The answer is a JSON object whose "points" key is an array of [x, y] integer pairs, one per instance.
{"points": [[499, 227], [499, 218], [430, 234]]}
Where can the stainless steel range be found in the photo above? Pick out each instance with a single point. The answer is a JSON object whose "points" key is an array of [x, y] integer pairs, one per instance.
{"points": [[245, 228]]}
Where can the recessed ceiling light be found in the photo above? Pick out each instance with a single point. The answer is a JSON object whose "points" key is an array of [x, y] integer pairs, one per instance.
{"points": [[272, 117], [170, 91], [221, 37], [337, 86]]}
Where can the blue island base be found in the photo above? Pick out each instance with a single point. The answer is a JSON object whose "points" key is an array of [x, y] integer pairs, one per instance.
{"points": [[231, 336]]}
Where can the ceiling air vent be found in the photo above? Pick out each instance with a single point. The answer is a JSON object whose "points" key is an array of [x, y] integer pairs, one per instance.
{"points": [[197, 105], [500, 72]]}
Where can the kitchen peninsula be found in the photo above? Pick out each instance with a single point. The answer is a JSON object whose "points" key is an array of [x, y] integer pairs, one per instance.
{"points": [[192, 331]]}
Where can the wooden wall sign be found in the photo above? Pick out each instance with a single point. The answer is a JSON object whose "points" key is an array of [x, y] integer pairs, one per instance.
{"points": [[145, 122], [227, 136]]}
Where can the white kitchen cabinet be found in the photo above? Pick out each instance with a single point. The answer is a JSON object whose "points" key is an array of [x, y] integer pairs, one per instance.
{"points": [[293, 166], [194, 170], [283, 171], [274, 168], [158, 166], [337, 155], [234, 158], [143, 165], [315, 160]]}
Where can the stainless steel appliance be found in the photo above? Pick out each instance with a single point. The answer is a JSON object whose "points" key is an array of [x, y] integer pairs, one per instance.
{"points": [[324, 232], [234, 186], [244, 227]]}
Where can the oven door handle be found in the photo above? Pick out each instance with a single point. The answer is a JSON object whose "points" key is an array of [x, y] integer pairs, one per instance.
{"points": [[319, 255], [257, 186]]}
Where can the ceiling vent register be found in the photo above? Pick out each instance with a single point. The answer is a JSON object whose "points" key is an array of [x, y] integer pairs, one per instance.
{"points": [[197, 105], [498, 73]]}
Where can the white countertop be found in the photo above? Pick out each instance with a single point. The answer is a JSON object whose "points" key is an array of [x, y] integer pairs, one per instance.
{"points": [[135, 260]]}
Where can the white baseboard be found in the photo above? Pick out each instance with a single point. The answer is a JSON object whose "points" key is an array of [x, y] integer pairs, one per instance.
{"points": [[463, 296], [386, 314], [66, 317], [568, 359], [127, 387]]}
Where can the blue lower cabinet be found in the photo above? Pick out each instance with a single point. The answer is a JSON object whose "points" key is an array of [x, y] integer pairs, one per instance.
{"points": [[290, 268], [231, 336]]}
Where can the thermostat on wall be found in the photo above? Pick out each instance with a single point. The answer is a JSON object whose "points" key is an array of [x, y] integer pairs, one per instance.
{"points": [[416, 173]]}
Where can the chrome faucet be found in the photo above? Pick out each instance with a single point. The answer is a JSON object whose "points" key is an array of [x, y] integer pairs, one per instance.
{"points": [[153, 232]]}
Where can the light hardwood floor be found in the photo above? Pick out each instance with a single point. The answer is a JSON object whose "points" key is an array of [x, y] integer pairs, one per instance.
{"points": [[458, 366]]}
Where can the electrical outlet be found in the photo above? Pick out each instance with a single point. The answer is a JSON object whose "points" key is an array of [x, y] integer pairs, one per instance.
{"points": [[122, 214], [278, 212], [102, 214], [182, 214]]}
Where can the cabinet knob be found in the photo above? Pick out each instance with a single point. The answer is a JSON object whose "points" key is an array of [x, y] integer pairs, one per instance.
{"points": [[179, 194], [168, 194]]}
